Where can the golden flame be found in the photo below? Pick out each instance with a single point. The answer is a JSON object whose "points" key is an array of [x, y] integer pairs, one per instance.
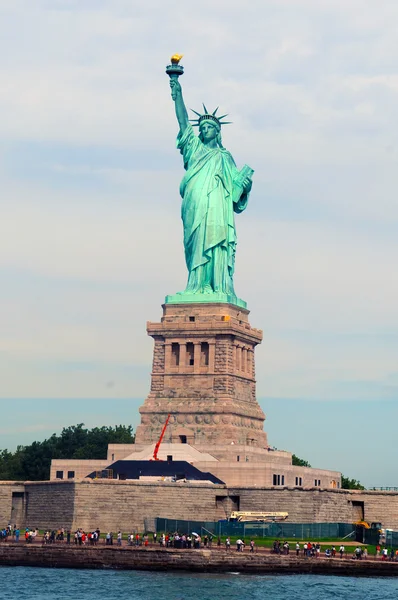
{"points": [[175, 59]]}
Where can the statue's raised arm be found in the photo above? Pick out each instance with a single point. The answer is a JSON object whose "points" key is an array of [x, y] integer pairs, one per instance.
{"points": [[181, 111], [212, 191]]}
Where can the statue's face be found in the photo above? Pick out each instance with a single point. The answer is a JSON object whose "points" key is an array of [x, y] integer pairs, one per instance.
{"points": [[208, 131]]}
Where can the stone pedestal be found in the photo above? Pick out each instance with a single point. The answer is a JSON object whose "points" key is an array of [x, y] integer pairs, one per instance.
{"points": [[203, 375]]}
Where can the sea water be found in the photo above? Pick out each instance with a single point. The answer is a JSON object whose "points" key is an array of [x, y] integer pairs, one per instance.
{"points": [[65, 584]]}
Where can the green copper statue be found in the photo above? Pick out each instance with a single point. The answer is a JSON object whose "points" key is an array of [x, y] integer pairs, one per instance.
{"points": [[212, 191]]}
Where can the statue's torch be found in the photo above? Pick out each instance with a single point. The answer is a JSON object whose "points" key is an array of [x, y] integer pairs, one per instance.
{"points": [[175, 70]]}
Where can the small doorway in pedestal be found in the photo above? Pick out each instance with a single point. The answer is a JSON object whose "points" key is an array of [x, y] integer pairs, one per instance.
{"points": [[182, 435]]}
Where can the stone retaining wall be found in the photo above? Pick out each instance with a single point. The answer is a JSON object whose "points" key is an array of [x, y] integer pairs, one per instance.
{"points": [[121, 505], [195, 560], [114, 505], [49, 504]]}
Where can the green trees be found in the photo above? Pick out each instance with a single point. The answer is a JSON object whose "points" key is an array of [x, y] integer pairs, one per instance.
{"points": [[350, 484], [300, 462], [32, 463]]}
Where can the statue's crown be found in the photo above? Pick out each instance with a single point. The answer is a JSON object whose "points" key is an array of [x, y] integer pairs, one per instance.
{"points": [[209, 117]]}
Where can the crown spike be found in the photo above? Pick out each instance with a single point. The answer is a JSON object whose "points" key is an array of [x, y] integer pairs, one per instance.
{"points": [[206, 116]]}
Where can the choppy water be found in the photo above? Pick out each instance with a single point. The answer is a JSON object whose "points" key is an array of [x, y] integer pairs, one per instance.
{"points": [[65, 584]]}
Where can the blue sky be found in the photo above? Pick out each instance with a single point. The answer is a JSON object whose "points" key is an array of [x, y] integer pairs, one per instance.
{"points": [[90, 235]]}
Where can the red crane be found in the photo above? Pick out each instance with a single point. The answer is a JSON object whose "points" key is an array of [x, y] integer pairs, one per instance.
{"points": [[156, 450]]}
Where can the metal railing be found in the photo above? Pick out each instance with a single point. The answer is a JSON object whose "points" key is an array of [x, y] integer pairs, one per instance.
{"points": [[383, 489]]}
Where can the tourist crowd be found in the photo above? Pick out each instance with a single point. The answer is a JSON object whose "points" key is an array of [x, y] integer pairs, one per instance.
{"points": [[187, 541], [14, 533], [313, 550]]}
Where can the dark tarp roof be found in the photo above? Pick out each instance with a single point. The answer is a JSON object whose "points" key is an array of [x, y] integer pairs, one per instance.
{"points": [[133, 469]]}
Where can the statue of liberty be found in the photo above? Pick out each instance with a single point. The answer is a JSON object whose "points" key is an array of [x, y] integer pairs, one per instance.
{"points": [[212, 190]]}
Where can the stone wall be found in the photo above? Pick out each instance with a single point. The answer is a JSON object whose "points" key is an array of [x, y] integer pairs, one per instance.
{"points": [[6, 489], [50, 504], [124, 505], [323, 506], [379, 506], [303, 506], [113, 505]]}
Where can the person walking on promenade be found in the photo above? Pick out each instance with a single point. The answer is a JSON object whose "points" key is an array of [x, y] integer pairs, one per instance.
{"points": [[119, 538], [228, 544], [341, 550], [276, 547], [252, 546], [333, 551], [297, 549], [17, 534]]}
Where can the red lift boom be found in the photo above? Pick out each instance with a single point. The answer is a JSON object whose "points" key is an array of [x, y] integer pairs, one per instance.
{"points": [[156, 450]]}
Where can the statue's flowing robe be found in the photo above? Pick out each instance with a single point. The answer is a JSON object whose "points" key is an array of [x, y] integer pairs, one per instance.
{"points": [[208, 213]]}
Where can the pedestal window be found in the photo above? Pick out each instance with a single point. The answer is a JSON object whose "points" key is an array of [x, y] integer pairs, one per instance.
{"points": [[190, 357], [204, 354], [175, 355]]}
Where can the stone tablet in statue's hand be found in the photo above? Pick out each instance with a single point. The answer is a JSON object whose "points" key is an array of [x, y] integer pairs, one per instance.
{"points": [[247, 185]]}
